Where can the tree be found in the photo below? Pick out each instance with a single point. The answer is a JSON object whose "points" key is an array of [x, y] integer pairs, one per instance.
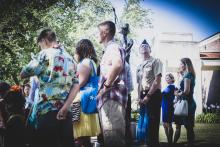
{"points": [[22, 20]]}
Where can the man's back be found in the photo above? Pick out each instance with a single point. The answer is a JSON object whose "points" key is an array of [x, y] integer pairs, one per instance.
{"points": [[56, 71]]}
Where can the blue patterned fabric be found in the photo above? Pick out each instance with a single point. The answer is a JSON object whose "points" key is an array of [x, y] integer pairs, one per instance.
{"points": [[89, 93], [142, 128]]}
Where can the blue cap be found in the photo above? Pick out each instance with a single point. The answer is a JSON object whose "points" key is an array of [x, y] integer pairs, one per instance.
{"points": [[145, 42]]}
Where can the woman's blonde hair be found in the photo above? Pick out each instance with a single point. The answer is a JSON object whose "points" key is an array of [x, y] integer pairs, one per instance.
{"points": [[171, 77], [189, 66]]}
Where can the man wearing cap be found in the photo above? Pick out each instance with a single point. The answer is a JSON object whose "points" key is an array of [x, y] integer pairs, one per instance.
{"points": [[150, 72]]}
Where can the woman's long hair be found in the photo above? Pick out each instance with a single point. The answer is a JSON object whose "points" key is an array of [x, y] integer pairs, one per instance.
{"points": [[189, 66], [85, 49]]}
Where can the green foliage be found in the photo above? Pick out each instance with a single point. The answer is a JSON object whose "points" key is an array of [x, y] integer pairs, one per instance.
{"points": [[134, 116], [22, 20], [136, 16], [208, 118]]}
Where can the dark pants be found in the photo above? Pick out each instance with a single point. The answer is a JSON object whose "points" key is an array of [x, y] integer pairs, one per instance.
{"points": [[54, 133], [153, 110], [189, 129], [127, 121]]}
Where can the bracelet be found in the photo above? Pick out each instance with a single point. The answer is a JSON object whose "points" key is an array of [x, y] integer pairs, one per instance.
{"points": [[107, 86]]}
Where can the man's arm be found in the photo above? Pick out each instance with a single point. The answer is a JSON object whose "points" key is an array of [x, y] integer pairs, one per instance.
{"points": [[156, 84], [63, 111], [153, 88], [116, 68], [34, 67]]}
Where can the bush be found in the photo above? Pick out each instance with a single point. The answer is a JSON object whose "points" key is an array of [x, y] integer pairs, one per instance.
{"points": [[134, 116], [208, 118]]}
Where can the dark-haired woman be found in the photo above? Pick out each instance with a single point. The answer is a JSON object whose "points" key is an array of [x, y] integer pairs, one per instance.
{"points": [[167, 106], [89, 123], [186, 92]]}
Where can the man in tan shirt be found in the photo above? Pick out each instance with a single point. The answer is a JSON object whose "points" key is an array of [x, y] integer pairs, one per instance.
{"points": [[150, 83]]}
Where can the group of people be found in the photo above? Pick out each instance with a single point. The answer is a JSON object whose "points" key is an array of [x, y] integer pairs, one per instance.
{"points": [[171, 95], [57, 80], [151, 99]]}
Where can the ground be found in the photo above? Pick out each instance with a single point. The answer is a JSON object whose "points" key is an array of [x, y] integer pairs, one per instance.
{"points": [[207, 135]]}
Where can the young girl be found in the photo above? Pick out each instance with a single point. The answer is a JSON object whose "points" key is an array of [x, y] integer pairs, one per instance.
{"points": [[167, 107], [15, 123]]}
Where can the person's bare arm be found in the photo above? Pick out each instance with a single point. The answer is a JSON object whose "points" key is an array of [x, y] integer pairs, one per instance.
{"points": [[186, 91], [84, 74], [115, 69], [63, 111]]}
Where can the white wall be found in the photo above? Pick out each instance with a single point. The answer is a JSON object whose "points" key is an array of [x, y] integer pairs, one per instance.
{"points": [[170, 48]]}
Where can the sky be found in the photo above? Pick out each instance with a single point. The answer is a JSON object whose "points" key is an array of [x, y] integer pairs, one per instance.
{"points": [[199, 17]]}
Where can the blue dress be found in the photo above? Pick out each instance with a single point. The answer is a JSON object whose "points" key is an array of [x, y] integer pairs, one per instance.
{"points": [[167, 104]]}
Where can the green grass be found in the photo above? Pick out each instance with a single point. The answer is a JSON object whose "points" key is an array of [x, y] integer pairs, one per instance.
{"points": [[205, 134]]}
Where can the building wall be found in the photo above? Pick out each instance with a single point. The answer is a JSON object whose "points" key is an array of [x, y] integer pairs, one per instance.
{"points": [[210, 58], [170, 48], [210, 87]]}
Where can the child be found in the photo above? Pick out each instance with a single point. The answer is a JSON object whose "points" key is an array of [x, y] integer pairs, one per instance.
{"points": [[15, 123], [167, 107]]}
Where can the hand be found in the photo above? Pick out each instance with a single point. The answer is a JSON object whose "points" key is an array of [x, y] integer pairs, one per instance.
{"points": [[102, 91], [145, 100], [176, 92], [139, 101], [62, 113]]}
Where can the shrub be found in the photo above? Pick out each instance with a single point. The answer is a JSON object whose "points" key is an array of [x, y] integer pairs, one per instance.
{"points": [[134, 116], [208, 118]]}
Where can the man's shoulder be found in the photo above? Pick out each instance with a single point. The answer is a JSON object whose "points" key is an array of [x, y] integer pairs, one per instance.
{"points": [[156, 60], [113, 45]]}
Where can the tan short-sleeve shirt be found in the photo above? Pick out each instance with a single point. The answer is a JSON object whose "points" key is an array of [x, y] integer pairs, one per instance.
{"points": [[150, 68]]}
